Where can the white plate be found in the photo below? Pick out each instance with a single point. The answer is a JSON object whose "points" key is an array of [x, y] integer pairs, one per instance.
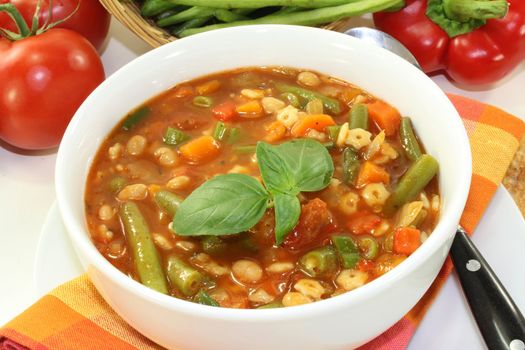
{"points": [[500, 237]]}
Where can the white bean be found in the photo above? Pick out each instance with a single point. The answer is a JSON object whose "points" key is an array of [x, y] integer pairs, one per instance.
{"points": [[133, 192], [308, 79], [136, 145], [247, 271]]}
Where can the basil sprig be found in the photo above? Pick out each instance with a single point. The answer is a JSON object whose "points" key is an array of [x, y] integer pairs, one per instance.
{"points": [[233, 203]]}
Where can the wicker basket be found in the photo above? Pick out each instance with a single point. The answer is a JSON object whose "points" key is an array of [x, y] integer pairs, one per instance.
{"points": [[128, 13]]}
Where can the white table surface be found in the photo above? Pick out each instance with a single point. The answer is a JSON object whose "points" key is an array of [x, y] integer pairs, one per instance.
{"points": [[27, 184]]}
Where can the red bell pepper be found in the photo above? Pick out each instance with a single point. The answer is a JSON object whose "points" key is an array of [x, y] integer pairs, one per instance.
{"points": [[476, 42]]}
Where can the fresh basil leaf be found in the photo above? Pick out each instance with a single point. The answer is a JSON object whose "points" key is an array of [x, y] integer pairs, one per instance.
{"points": [[276, 173], [295, 166], [226, 204], [287, 212]]}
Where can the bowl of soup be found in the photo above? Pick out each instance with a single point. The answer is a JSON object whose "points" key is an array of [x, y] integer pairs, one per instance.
{"points": [[264, 187]]}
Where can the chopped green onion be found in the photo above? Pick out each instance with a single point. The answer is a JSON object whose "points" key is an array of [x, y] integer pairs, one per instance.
{"points": [[220, 132], [175, 137], [202, 101], [347, 249]]}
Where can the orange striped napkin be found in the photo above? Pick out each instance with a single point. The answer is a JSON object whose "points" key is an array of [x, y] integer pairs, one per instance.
{"points": [[74, 315]]}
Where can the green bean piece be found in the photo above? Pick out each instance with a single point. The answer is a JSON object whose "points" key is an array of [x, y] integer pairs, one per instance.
{"points": [[358, 117], [368, 247], [309, 17], [220, 132], [350, 165], [319, 262], [166, 14], [168, 201], [243, 11], [287, 9], [145, 255], [186, 15], [175, 137], [333, 132], [255, 4], [202, 101], [347, 250], [182, 276], [271, 305], [205, 299], [152, 8], [213, 245], [329, 103], [226, 16], [192, 23], [117, 183], [292, 99], [234, 135], [412, 182], [135, 117], [245, 149], [409, 140]]}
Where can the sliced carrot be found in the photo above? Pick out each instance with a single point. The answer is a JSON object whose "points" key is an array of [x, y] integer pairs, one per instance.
{"points": [[406, 240], [312, 122], [250, 109], [371, 173], [385, 116], [208, 87], [363, 222], [224, 111], [276, 131], [200, 149]]}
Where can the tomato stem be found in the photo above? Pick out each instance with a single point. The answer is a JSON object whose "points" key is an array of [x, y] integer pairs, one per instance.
{"points": [[463, 10], [21, 24]]}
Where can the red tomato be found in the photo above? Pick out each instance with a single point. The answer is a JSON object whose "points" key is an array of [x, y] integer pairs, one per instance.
{"points": [[314, 219], [363, 222], [91, 19], [44, 79], [224, 111]]}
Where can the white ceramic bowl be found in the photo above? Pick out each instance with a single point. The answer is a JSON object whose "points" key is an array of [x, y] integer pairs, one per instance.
{"points": [[341, 322]]}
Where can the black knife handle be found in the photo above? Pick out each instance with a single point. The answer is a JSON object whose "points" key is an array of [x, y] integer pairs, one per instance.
{"points": [[500, 321]]}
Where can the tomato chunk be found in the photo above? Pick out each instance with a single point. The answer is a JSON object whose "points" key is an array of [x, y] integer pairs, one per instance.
{"points": [[315, 216], [225, 111], [363, 222]]}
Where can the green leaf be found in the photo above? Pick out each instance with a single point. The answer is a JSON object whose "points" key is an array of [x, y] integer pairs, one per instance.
{"points": [[287, 212], [276, 173], [226, 204], [295, 166]]}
